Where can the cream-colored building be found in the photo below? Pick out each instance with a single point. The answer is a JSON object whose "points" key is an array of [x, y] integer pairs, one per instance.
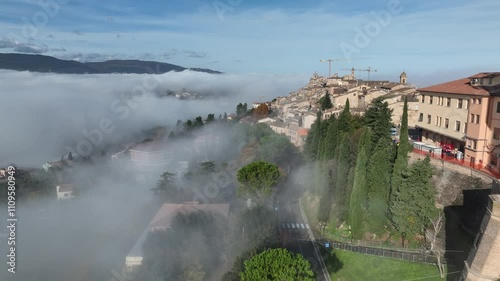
{"points": [[466, 113], [442, 115]]}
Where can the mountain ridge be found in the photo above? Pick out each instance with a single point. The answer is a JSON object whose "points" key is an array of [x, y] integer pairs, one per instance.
{"points": [[48, 64]]}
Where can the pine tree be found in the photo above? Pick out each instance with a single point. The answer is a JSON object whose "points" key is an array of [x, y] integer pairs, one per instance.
{"points": [[325, 102], [357, 202], [379, 184]]}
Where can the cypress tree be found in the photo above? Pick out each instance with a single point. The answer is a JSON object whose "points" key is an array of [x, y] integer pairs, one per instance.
{"points": [[313, 139], [344, 121], [413, 202], [404, 143], [379, 185], [340, 193], [324, 192], [357, 202], [401, 163], [331, 140]]}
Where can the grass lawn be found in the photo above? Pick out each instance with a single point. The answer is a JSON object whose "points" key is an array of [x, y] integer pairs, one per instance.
{"points": [[347, 266]]}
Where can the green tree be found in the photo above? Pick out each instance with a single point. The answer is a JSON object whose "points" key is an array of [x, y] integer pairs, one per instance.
{"points": [[379, 184], [225, 116], [188, 125], [198, 122], [357, 202], [257, 180], [340, 192], [277, 264], [276, 148], [345, 119], [378, 118], [325, 102], [401, 162], [404, 142], [324, 191], [166, 185], [313, 139], [413, 204], [210, 118], [194, 272], [331, 141]]}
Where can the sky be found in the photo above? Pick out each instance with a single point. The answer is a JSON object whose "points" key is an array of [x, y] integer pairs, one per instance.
{"points": [[432, 41]]}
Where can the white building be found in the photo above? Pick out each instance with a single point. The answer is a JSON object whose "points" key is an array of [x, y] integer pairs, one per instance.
{"points": [[65, 191]]}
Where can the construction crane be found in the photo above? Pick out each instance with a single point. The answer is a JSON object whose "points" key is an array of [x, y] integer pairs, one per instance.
{"points": [[338, 59], [369, 70]]}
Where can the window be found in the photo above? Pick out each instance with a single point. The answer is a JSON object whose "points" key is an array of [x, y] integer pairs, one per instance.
{"points": [[472, 118], [465, 128], [498, 107], [481, 81], [436, 122], [448, 102], [474, 144], [496, 134], [430, 99], [478, 101], [440, 121], [459, 103], [446, 123], [457, 126], [423, 98], [428, 119], [490, 80], [477, 119], [421, 117]]}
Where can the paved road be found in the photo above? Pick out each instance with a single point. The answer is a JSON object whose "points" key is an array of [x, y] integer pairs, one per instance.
{"points": [[295, 232]]}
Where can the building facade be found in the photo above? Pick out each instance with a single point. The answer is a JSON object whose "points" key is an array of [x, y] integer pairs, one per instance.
{"points": [[464, 114]]}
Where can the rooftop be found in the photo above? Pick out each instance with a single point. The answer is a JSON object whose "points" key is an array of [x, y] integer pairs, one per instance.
{"points": [[66, 188], [461, 86]]}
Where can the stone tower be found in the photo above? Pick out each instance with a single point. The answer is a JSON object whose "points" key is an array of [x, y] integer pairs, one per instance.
{"points": [[402, 78]]}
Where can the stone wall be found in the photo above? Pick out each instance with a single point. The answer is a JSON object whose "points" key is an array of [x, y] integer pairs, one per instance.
{"points": [[453, 167]]}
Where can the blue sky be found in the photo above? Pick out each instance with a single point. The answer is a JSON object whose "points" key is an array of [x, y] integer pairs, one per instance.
{"points": [[427, 39]]}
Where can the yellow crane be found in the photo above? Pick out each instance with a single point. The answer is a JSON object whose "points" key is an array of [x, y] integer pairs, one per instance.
{"points": [[369, 70], [337, 59]]}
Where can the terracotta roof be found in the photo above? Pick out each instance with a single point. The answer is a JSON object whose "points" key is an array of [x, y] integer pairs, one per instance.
{"points": [[66, 188], [460, 86], [167, 212], [150, 146], [485, 74], [302, 132]]}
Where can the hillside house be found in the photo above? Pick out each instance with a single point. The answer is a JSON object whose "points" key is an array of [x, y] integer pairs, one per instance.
{"points": [[65, 191]]}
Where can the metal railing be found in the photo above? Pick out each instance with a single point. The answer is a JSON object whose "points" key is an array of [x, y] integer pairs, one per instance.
{"points": [[387, 253]]}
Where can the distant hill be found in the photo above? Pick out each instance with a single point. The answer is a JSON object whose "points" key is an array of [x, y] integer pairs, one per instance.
{"points": [[40, 63]]}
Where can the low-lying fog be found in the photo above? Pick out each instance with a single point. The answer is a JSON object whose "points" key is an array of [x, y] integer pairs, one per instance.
{"points": [[42, 114]]}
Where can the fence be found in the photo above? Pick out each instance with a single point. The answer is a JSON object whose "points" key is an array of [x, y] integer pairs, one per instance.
{"points": [[461, 162], [379, 245], [408, 256]]}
